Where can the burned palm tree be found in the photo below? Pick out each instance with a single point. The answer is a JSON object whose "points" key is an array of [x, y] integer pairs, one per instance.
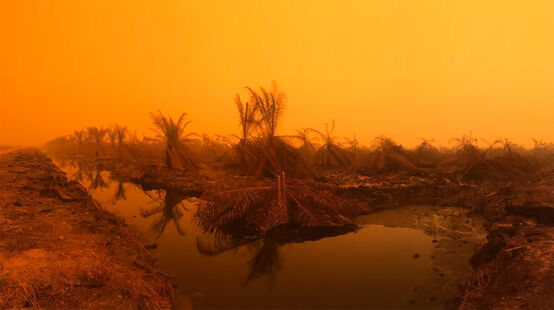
{"points": [[307, 147], [468, 153], [391, 156], [79, 137], [467, 150], [270, 104], [426, 153], [385, 156], [330, 154], [247, 115], [265, 154], [119, 134], [277, 192], [177, 154], [170, 207], [111, 138], [96, 135]]}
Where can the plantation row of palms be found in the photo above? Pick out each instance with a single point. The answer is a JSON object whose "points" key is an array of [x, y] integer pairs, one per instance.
{"points": [[280, 187]]}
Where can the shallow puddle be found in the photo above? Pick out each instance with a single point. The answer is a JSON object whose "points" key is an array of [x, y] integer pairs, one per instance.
{"points": [[408, 257]]}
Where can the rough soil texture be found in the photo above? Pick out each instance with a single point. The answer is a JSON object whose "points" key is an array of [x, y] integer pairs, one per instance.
{"points": [[515, 268], [59, 249]]}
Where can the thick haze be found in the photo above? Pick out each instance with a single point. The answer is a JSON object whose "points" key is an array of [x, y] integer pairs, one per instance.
{"points": [[406, 69]]}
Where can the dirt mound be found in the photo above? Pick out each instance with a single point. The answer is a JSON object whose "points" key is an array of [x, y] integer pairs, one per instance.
{"points": [[514, 270], [58, 249]]}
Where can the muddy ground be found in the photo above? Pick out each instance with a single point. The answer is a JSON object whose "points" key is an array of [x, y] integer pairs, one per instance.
{"points": [[513, 270], [60, 249]]}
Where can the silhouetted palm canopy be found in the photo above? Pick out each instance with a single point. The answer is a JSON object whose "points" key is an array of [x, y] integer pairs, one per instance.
{"points": [[97, 135], [269, 105], [178, 155], [247, 115], [261, 153]]}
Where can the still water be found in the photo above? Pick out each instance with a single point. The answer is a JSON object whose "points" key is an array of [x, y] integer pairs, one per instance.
{"points": [[408, 257]]}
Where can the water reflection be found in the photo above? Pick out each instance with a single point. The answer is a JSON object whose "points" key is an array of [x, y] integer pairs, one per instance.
{"points": [[266, 261], [265, 258], [120, 193], [169, 204], [97, 180], [371, 268]]}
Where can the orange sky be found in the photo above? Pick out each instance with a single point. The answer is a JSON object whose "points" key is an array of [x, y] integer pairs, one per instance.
{"points": [[406, 69]]}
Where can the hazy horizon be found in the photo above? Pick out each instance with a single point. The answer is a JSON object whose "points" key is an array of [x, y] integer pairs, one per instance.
{"points": [[432, 70]]}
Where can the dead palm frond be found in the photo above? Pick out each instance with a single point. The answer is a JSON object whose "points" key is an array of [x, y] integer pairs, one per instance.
{"points": [[386, 156], [469, 154], [330, 154], [269, 105], [177, 155], [263, 205], [307, 146], [247, 115], [426, 153], [265, 155]]}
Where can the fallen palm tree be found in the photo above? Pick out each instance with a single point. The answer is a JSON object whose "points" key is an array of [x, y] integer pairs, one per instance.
{"points": [[256, 206], [502, 163], [307, 148]]}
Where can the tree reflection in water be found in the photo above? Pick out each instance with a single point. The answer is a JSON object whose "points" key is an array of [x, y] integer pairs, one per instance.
{"points": [[170, 206], [266, 258], [120, 193], [97, 181]]}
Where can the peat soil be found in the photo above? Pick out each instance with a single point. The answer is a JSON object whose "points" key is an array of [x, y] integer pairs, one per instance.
{"points": [[60, 249]]}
